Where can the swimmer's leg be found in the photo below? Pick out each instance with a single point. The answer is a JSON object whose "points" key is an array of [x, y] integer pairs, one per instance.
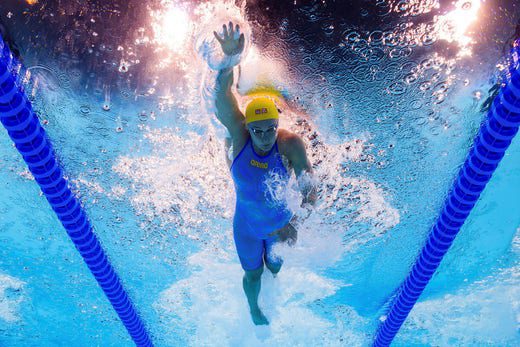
{"points": [[252, 283], [274, 268], [250, 250]]}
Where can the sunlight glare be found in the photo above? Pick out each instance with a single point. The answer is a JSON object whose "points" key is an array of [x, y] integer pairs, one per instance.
{"points": [[453, 27], [171, 27]]}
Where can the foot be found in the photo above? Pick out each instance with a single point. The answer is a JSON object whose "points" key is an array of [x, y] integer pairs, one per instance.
{"points": [[258, 317]]}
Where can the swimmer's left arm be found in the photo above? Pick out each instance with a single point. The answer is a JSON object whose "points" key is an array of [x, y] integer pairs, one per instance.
{"points": [[297, 156], [294, 150]]}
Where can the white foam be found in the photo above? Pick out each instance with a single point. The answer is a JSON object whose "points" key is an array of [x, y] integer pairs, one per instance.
{"points": [[211, 304], [183, 182], [211, 17], [9, 303]]}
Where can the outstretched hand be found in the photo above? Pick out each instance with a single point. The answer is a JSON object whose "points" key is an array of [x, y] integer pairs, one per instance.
{"points": [[230, 44]]}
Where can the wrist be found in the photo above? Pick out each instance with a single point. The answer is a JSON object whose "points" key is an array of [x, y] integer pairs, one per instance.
{"points": [[227, 62]]}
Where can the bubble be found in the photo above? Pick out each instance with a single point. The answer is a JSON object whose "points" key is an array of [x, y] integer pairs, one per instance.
{"points": [[143, 116], [64, 80], [410, 78], [394, 54], [413, 42], [376, 37], [406, 52], [411, 67], [383, 8], [466, 6], [392, 70], [439, 97], [416, 104], [427, 39], [402, 6], [125, 93], [376, 55], [328, 28], [441, 87], [360, 73], [435, 77], [352, 36], [307, 60], [390, 39], [427, 63], [123, 67], [84, 109], [424, 86], [397, 88]]}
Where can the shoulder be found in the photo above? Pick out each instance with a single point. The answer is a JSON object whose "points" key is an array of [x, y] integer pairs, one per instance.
{"points": [[290, 144], [292, 147]]}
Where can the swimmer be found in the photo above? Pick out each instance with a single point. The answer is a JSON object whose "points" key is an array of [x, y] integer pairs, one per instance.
{"points": [[259, 150]]}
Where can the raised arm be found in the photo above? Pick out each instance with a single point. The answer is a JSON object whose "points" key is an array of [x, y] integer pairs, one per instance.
{"points": [[226, 104], [228, 113]]}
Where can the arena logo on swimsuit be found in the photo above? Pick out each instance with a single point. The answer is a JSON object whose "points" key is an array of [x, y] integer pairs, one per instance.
{"points": [[258, 164]]}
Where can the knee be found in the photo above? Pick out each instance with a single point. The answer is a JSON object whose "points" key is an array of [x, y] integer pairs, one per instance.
{"points": [[255, 275], [274, 267]]}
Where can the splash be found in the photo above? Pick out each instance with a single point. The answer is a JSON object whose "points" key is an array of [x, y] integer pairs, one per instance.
{"points": [[181, 186], [211, 18], [10, 298], [211, 305]]}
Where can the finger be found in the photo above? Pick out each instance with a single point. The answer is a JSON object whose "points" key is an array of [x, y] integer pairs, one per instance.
{"points": [[241, 42], [219, 39], [237, 32], [225, 34], [230, 29]]}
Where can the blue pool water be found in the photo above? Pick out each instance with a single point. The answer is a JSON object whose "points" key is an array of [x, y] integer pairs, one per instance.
{"points": [[394, 99]]}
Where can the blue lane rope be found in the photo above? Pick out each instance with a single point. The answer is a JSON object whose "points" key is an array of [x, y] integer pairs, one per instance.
{"points": [[495, 136], [24, 128]]}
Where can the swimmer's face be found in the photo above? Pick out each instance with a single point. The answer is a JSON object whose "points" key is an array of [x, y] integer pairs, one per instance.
{"points": [[263, 133]]}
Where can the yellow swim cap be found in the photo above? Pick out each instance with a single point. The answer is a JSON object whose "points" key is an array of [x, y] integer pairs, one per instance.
{"points": [[261, 109]]}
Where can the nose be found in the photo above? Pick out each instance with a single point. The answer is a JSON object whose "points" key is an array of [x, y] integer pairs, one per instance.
{"points": [[266, 139]]}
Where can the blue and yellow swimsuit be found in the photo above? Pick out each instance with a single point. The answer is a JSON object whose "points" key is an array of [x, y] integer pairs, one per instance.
{"points": [[257, 212]]}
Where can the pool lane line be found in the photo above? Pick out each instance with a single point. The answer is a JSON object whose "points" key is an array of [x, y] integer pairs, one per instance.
{"points": [[24, 128], [494, 137]]}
